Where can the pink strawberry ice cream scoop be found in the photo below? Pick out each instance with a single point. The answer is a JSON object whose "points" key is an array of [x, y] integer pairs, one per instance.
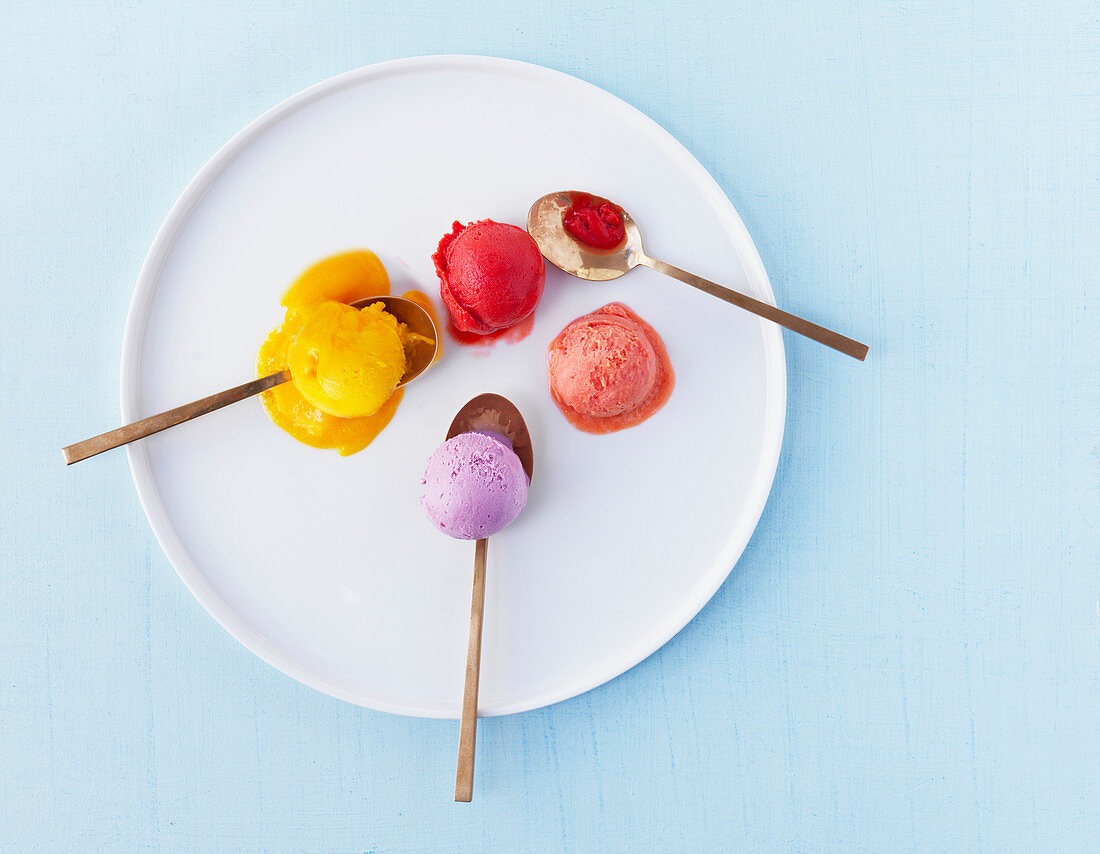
{"points": [[491, 275], [474, 486], [609, 370]]}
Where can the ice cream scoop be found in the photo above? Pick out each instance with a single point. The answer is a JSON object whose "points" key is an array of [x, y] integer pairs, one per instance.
{"points": [[609, 370], [602, 365], [589, 246], [414, 316], [348, 361], [474, 485], [487, 465], [491, 275]]}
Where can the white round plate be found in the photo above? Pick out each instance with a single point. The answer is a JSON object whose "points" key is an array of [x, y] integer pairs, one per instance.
{"points": [[324, 566]]}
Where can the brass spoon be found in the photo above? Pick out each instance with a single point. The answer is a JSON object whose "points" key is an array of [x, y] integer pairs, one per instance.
{"points": [[544, 224], [405, 310], [500, 415]]}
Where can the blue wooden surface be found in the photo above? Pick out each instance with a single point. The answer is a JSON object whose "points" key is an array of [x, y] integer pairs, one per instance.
{"points": [[907, 656]]}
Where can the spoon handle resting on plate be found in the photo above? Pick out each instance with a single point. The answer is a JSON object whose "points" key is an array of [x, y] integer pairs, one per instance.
{"points": [[762, 309], [467, 733], [164, 420]]}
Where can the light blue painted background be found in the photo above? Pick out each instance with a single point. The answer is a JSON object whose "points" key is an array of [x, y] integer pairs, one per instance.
{"points": [[905, 659]]}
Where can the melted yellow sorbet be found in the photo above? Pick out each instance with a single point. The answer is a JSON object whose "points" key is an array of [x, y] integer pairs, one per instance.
{"points": [[345, 362]]}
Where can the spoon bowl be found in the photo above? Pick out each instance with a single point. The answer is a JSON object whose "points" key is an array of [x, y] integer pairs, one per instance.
{"points": [[545, 224], [497, 414]]}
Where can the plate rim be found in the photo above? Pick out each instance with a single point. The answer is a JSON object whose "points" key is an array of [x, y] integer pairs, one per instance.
{"points": [[133, 337]]}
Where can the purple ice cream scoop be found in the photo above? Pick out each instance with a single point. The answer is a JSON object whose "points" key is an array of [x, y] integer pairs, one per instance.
{"points": [[474, 486]]}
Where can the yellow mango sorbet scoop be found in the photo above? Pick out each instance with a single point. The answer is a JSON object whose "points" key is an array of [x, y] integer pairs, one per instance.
{"points": [[347, 361]]}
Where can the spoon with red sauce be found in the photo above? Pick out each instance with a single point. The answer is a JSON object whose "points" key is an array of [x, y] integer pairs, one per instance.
{"points": [[593, 238]]}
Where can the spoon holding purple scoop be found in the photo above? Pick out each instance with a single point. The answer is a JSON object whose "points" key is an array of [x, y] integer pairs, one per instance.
{"points": [[486, 413]]}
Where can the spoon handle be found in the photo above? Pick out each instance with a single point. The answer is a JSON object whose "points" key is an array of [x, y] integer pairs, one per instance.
{"points": [[467, 732], [762, 309], [164, 420]]}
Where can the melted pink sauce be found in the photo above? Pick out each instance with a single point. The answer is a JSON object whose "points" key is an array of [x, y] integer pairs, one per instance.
{"points": [[509, 335]]}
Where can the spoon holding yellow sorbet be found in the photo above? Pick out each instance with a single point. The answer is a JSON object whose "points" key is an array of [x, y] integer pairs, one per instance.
{"points": [[346, 359]]}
